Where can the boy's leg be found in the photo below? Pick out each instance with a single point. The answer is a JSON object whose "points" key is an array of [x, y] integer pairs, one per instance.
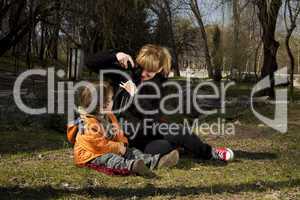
{"points": [[135, 154], [113, 161]]}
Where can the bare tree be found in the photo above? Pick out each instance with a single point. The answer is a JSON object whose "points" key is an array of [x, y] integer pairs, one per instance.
{"points": [[165, 12], [291, 13], [268, 14], [236, 35], [217, 53], [23, 20], [197, 13]]}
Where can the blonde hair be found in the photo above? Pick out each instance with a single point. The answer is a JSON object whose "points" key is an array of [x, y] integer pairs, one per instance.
{"points": [[154, 58]]}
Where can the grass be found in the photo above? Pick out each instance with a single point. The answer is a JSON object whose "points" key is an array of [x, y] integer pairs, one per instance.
{"points": [[38, 165]]}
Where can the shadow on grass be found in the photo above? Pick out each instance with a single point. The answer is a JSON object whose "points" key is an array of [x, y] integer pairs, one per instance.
{"points": [[254, 155], [188, 162], [48, 192], [31, 140]]}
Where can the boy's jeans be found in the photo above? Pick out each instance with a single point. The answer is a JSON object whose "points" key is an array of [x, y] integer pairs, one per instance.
{"points": [[115, 161]]}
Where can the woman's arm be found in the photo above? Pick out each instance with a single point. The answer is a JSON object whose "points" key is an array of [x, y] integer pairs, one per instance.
{"points": [[108, 60], [101, 61]]}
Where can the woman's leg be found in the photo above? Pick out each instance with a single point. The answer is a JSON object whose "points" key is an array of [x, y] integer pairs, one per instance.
{"points": [[189, 141], [161, 147]]}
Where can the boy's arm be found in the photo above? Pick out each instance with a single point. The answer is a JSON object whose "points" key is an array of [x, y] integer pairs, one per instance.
{"points": [[120, 137], [116, 147]]}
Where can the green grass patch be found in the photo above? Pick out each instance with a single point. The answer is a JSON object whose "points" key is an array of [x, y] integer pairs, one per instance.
{"points": [[39, 165]]}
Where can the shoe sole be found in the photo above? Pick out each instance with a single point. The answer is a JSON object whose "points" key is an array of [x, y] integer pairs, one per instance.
{"points": [[169, 160], [231, 157], [141, 169]]}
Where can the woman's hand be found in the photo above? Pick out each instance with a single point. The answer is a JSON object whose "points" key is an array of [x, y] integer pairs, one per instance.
{"points": [[123, 59], [130, 87]]}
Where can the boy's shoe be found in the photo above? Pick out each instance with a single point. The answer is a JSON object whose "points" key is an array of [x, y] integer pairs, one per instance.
{"points": [[222, 153], [141, 169], [169, 160]]}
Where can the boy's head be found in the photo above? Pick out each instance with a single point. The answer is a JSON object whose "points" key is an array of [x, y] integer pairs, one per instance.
{"points": [[104, 94], [154, 59]]}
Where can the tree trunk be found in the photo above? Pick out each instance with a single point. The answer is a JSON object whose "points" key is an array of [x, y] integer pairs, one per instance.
{"points": [[269, 63], [268, 13], [42, 43], [168, 12], [292, 63], [17, 29], [174, 52], [236, 37], [291, 14], [13, 37], [54, 46], [164, 30], [28, 52], [174, 49], [196, 11], [256, 59]]}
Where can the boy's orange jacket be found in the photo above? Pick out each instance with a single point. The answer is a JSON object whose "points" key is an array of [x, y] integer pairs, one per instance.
{"points": [[92, 142]]}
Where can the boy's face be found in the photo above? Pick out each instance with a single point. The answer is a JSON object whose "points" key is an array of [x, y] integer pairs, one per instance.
{"points": [[109, 104]]}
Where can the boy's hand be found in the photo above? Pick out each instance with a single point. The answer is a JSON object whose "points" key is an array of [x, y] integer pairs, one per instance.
{"points": [[123, 150]]}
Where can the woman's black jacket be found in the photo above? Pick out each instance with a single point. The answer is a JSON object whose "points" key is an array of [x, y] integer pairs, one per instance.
{"points": [[108, 61]]}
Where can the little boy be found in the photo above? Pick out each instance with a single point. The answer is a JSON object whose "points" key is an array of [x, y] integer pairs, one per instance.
{"points": [[102, 142]]}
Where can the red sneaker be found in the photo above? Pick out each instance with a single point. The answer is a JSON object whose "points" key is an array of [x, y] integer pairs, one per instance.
{"points": [[222, 153]]}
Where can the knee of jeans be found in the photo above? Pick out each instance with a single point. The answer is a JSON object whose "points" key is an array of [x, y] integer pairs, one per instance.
{"points": [[159, 147]]}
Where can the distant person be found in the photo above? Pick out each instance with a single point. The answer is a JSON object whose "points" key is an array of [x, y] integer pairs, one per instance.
{"points": [[101, 141], [153, 64]]}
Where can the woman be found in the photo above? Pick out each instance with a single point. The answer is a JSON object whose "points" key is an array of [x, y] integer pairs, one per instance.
{"points": [[153, 64]]}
